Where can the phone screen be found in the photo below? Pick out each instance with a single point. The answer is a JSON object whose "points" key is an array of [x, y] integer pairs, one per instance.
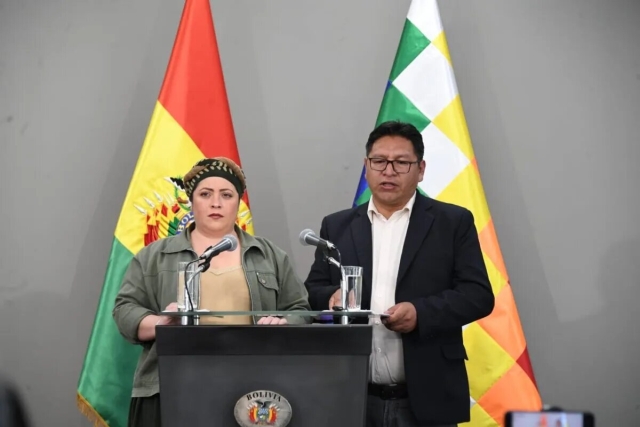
{"points": [[549, 419]]}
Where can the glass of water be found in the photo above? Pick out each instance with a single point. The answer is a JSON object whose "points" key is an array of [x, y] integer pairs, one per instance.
{"points": [[353, 278], [183, 300]]}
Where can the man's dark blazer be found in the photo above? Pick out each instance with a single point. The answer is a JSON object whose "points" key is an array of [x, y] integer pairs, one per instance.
{"points": [[442, 273]]}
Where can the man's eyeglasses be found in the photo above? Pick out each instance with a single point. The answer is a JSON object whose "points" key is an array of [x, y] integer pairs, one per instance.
{"points": [[399, 166]]}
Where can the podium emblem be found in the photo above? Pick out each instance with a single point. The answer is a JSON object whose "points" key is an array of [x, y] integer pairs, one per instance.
{"points": [[262, 408]]}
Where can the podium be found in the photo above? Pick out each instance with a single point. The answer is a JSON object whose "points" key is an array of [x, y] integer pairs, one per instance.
{"points": [[308, 375]]}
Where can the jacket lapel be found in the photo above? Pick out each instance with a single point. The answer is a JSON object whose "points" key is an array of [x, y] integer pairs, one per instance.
{"points": [[361, 234], [419, 225]]}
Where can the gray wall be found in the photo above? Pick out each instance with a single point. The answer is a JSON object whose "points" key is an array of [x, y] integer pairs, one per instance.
{"points": [[552, 97]]}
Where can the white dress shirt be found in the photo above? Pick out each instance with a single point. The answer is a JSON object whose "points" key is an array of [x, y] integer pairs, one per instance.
{"points": [[387, 363]]}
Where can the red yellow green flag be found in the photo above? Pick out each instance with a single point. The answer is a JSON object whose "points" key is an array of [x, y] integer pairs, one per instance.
{"points": [[191, 120]]}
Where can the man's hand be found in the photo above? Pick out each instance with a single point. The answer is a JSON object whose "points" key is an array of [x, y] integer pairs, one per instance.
{"points": [[336, 299], [403, 318], [270, 320]]}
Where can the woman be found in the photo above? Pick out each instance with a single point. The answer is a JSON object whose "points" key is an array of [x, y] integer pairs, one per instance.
{"points": [[257, 275]]}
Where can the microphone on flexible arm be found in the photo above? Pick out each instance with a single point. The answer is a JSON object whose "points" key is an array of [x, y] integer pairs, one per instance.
{"points": [[309, 238], [228, 243]]}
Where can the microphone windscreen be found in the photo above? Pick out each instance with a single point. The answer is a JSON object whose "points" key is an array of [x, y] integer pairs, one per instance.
{"points": [[304, 234], [233, 240]]}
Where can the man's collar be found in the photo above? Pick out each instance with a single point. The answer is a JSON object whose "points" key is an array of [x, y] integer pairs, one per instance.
{"points": [[371, 209]]}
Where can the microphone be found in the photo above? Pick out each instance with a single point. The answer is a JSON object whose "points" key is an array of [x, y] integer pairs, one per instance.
{"points": [[308, 237], [228, 243]]}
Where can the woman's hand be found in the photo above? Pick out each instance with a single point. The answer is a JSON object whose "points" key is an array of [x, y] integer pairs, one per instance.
{"points": [[271, 320], [147, 327], [169, 320]]}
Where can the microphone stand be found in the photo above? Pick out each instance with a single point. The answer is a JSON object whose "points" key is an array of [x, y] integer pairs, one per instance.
{"points": [[201, 268], [344, 320]]}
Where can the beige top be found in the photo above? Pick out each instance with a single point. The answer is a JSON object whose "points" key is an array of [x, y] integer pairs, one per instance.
{"points": [[225, 289]]}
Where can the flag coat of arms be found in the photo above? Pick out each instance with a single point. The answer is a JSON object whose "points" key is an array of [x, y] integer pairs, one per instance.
{"points": [[422, 91], [191, 120]]}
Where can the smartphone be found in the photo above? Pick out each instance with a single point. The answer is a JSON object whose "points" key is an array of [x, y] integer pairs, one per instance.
{"points": [[549, 419]]}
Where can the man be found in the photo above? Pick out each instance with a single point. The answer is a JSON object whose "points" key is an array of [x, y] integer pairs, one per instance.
{"points": [[423, 266]]}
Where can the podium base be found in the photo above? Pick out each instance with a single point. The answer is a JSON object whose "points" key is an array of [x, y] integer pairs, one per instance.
{"points": [[311, 376]]}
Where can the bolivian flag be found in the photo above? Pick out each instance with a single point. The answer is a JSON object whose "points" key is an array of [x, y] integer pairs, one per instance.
{"points": [[191, 120]]}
